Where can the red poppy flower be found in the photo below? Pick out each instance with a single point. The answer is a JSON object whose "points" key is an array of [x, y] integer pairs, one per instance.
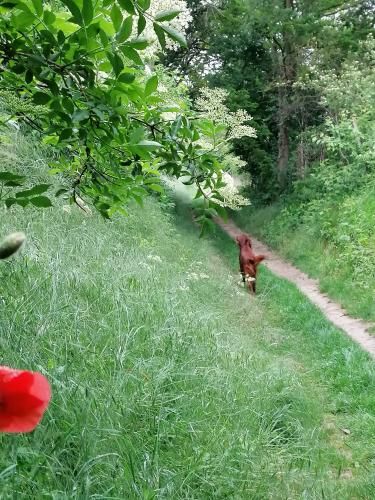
{"points": [[24, 397]]}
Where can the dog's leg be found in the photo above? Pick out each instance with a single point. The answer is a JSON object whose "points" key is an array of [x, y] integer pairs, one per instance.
{"points": [[242, 279], [250, 281]]}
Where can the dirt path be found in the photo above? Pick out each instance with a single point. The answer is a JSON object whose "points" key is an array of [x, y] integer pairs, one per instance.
{"points": [[355, 328]]}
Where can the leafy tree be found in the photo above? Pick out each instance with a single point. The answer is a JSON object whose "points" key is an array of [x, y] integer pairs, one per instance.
{"points": [[103, 112], [259, 51]]}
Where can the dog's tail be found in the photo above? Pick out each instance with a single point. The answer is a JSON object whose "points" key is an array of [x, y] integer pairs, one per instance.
{"points": [[259, 258]]}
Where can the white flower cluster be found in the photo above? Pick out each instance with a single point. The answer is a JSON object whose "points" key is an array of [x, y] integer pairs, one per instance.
{"points": [[212, 107], [232, 198], [211, 104], [232, 163], [179, 23]]}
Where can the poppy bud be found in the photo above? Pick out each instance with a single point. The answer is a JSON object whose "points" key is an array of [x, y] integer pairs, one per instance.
{"points": [[11, 244]]}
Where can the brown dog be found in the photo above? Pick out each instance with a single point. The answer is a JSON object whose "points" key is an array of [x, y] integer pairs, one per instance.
{"points": [[248, 261]]}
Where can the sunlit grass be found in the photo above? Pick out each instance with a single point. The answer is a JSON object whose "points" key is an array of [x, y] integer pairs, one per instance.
{"points": [[169, 381]]}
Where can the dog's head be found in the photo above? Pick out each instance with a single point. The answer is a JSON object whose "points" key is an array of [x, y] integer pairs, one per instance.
{"points": [[243, 240]]}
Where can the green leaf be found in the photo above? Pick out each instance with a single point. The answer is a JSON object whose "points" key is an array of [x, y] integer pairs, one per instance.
{"points": [[68, 105], [12, 184], [60, 37], [116, 62], [41, 98], [29, 76], [132, 55], [221, 212], [127, 5], [9, 5], [36, 58], [23, 19], [52, 85], [103, 38], [126, 77], [160, 34], [138, 199], [167, 15], [151, 85], [141, 24], [207, 224], [41, 201], [74, 9], [116, 17], [50, 139], [156, 187], [138, 43], [39, 189], [151, 180], [144, 4], [149, 145], [12, 201], [174, 35], [136, 135], [9, 202], [66, 27], [23, 6], [107, 29], [18, 69], [49, 17], [38, 6], [65, 134], [125, 30], [87, 11], [8, 176], [98, 112], [80, 115]]}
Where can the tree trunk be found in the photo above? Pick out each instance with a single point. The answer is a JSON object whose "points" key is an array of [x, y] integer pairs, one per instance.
{"points": [[283, 145], [287, 72]]}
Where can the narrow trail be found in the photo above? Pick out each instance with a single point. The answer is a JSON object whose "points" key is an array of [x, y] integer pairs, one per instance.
{"points": [[354, 328]]}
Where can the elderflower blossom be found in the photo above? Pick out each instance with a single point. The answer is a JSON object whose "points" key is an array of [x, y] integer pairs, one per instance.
{"points": [[179, 23], [231, 197], [232, 163], [211, 104], [212, 107]]}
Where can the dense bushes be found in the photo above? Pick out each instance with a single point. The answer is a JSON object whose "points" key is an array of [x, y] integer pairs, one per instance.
{"points": [[326, 224]]}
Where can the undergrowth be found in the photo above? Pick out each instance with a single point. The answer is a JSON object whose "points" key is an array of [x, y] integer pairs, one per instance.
{"points": [[325, 225]]}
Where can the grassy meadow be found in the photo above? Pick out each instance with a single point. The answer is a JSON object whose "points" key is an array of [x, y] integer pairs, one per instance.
{"points": [[169, 381]]}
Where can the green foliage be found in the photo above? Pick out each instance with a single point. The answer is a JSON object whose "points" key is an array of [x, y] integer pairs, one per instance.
{"points": [[325, 224], [12, 106], [100, 111], [258, 51], [13, 192]]}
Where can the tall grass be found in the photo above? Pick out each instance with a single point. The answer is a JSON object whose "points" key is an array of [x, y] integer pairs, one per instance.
{"points": [[168, 380]]}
